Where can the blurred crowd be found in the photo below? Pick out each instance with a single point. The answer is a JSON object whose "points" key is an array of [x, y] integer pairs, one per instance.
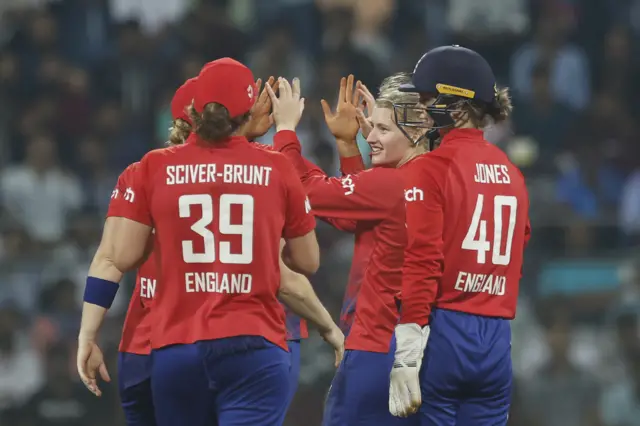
{"points": [[85, 87]]}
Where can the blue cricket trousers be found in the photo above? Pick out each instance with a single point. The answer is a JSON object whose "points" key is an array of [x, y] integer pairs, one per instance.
{"points": [[466, 371], [294, 371], [359, 393], [237, 381], [134, 386]]}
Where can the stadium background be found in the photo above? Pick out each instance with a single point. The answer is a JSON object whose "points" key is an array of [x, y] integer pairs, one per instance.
{"points": [[84, 91]]}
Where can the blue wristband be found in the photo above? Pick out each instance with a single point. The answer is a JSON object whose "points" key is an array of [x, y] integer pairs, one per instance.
{"points": [[100, 292]]}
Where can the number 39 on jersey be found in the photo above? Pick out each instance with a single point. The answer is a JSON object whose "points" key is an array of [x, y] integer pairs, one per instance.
{"points": [[223, 216]]}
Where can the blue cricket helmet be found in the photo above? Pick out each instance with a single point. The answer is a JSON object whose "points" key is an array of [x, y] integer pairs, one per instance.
{"points": [[455, 76], [454, 70]]}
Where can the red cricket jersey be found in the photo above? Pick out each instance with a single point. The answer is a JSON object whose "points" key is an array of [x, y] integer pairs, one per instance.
{"points": [[136, 331], [467, 224], [219, 213], [370, 204]]}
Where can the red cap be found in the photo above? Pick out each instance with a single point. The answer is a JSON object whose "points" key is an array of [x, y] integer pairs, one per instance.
{"points": [[182, 99], [226, 82]]}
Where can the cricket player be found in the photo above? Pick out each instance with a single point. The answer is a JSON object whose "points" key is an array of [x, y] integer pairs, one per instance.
{"points": [[219, 351], [463, 261], [369, 204], [134, 361]]}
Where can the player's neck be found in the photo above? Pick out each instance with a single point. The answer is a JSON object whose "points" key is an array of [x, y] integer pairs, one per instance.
{"points": [[413, 152]]}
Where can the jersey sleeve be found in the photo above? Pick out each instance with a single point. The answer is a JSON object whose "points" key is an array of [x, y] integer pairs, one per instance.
{"points": [[423, 257], [369, 195], [298, 218], [117, 201], [351, 165], [344, 225], [131, 194]]}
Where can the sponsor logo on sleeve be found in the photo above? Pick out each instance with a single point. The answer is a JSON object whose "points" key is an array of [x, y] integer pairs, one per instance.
{"points": [[129, 195], [348, 185]]}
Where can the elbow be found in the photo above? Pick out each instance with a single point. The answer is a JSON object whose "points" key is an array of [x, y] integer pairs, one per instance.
{"points": [[307, 265], [302, 255], [125, 261], [293, 287]]}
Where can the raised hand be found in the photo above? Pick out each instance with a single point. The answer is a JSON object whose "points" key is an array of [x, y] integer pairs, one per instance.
{"points": [[367, 102], [261, 119], [287, 105], [343, 123]]}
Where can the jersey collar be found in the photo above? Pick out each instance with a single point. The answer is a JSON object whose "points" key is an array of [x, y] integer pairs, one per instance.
{"points": [[474, 134], [231, 142]]}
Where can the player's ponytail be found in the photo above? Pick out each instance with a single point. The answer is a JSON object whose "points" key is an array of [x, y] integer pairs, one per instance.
{"points": [[482, 115], [179, 132], [214, 123], [502, 105]]}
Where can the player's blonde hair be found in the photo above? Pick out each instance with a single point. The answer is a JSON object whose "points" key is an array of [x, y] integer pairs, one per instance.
{"points": [[214, 123], [389, 95], [179, 132], [389, 92], [484, 115]]}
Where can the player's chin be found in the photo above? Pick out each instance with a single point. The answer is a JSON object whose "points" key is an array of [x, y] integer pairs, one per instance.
{"points": [[380, 159]]}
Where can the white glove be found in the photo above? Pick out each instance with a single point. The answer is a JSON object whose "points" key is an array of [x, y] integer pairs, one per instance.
{"points": [[405, 397]]}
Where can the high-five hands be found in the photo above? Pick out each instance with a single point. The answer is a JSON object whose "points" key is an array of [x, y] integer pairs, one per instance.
{"points": [[287, 105], [261, 118], [343, 123], [366, 102]]}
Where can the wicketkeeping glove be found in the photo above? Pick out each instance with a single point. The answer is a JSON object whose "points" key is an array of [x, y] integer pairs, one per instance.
{"points": [[404, 389]]}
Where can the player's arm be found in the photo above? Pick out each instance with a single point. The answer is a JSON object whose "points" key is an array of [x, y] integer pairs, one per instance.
{"points": [[103, 277], [369, 195], [101, 287], [301, 251], [423, 255], [133, 231], [297, 294], [101, 272], [350, 166], [422, 271]]}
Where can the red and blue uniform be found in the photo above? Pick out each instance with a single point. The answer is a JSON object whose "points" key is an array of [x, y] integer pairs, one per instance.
{"points": [[369, 204], [219, 338], [134, 361], [467, 232]]}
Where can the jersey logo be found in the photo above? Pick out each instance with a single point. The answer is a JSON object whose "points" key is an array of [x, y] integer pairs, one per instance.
{"points": [[307, 205], [348, 185], [129, 195], [414, 194], [114, 193]]}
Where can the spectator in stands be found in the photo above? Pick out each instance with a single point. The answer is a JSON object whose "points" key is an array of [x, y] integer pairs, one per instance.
{"points": [[545, 119], [39, 194], [568, 65]]}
